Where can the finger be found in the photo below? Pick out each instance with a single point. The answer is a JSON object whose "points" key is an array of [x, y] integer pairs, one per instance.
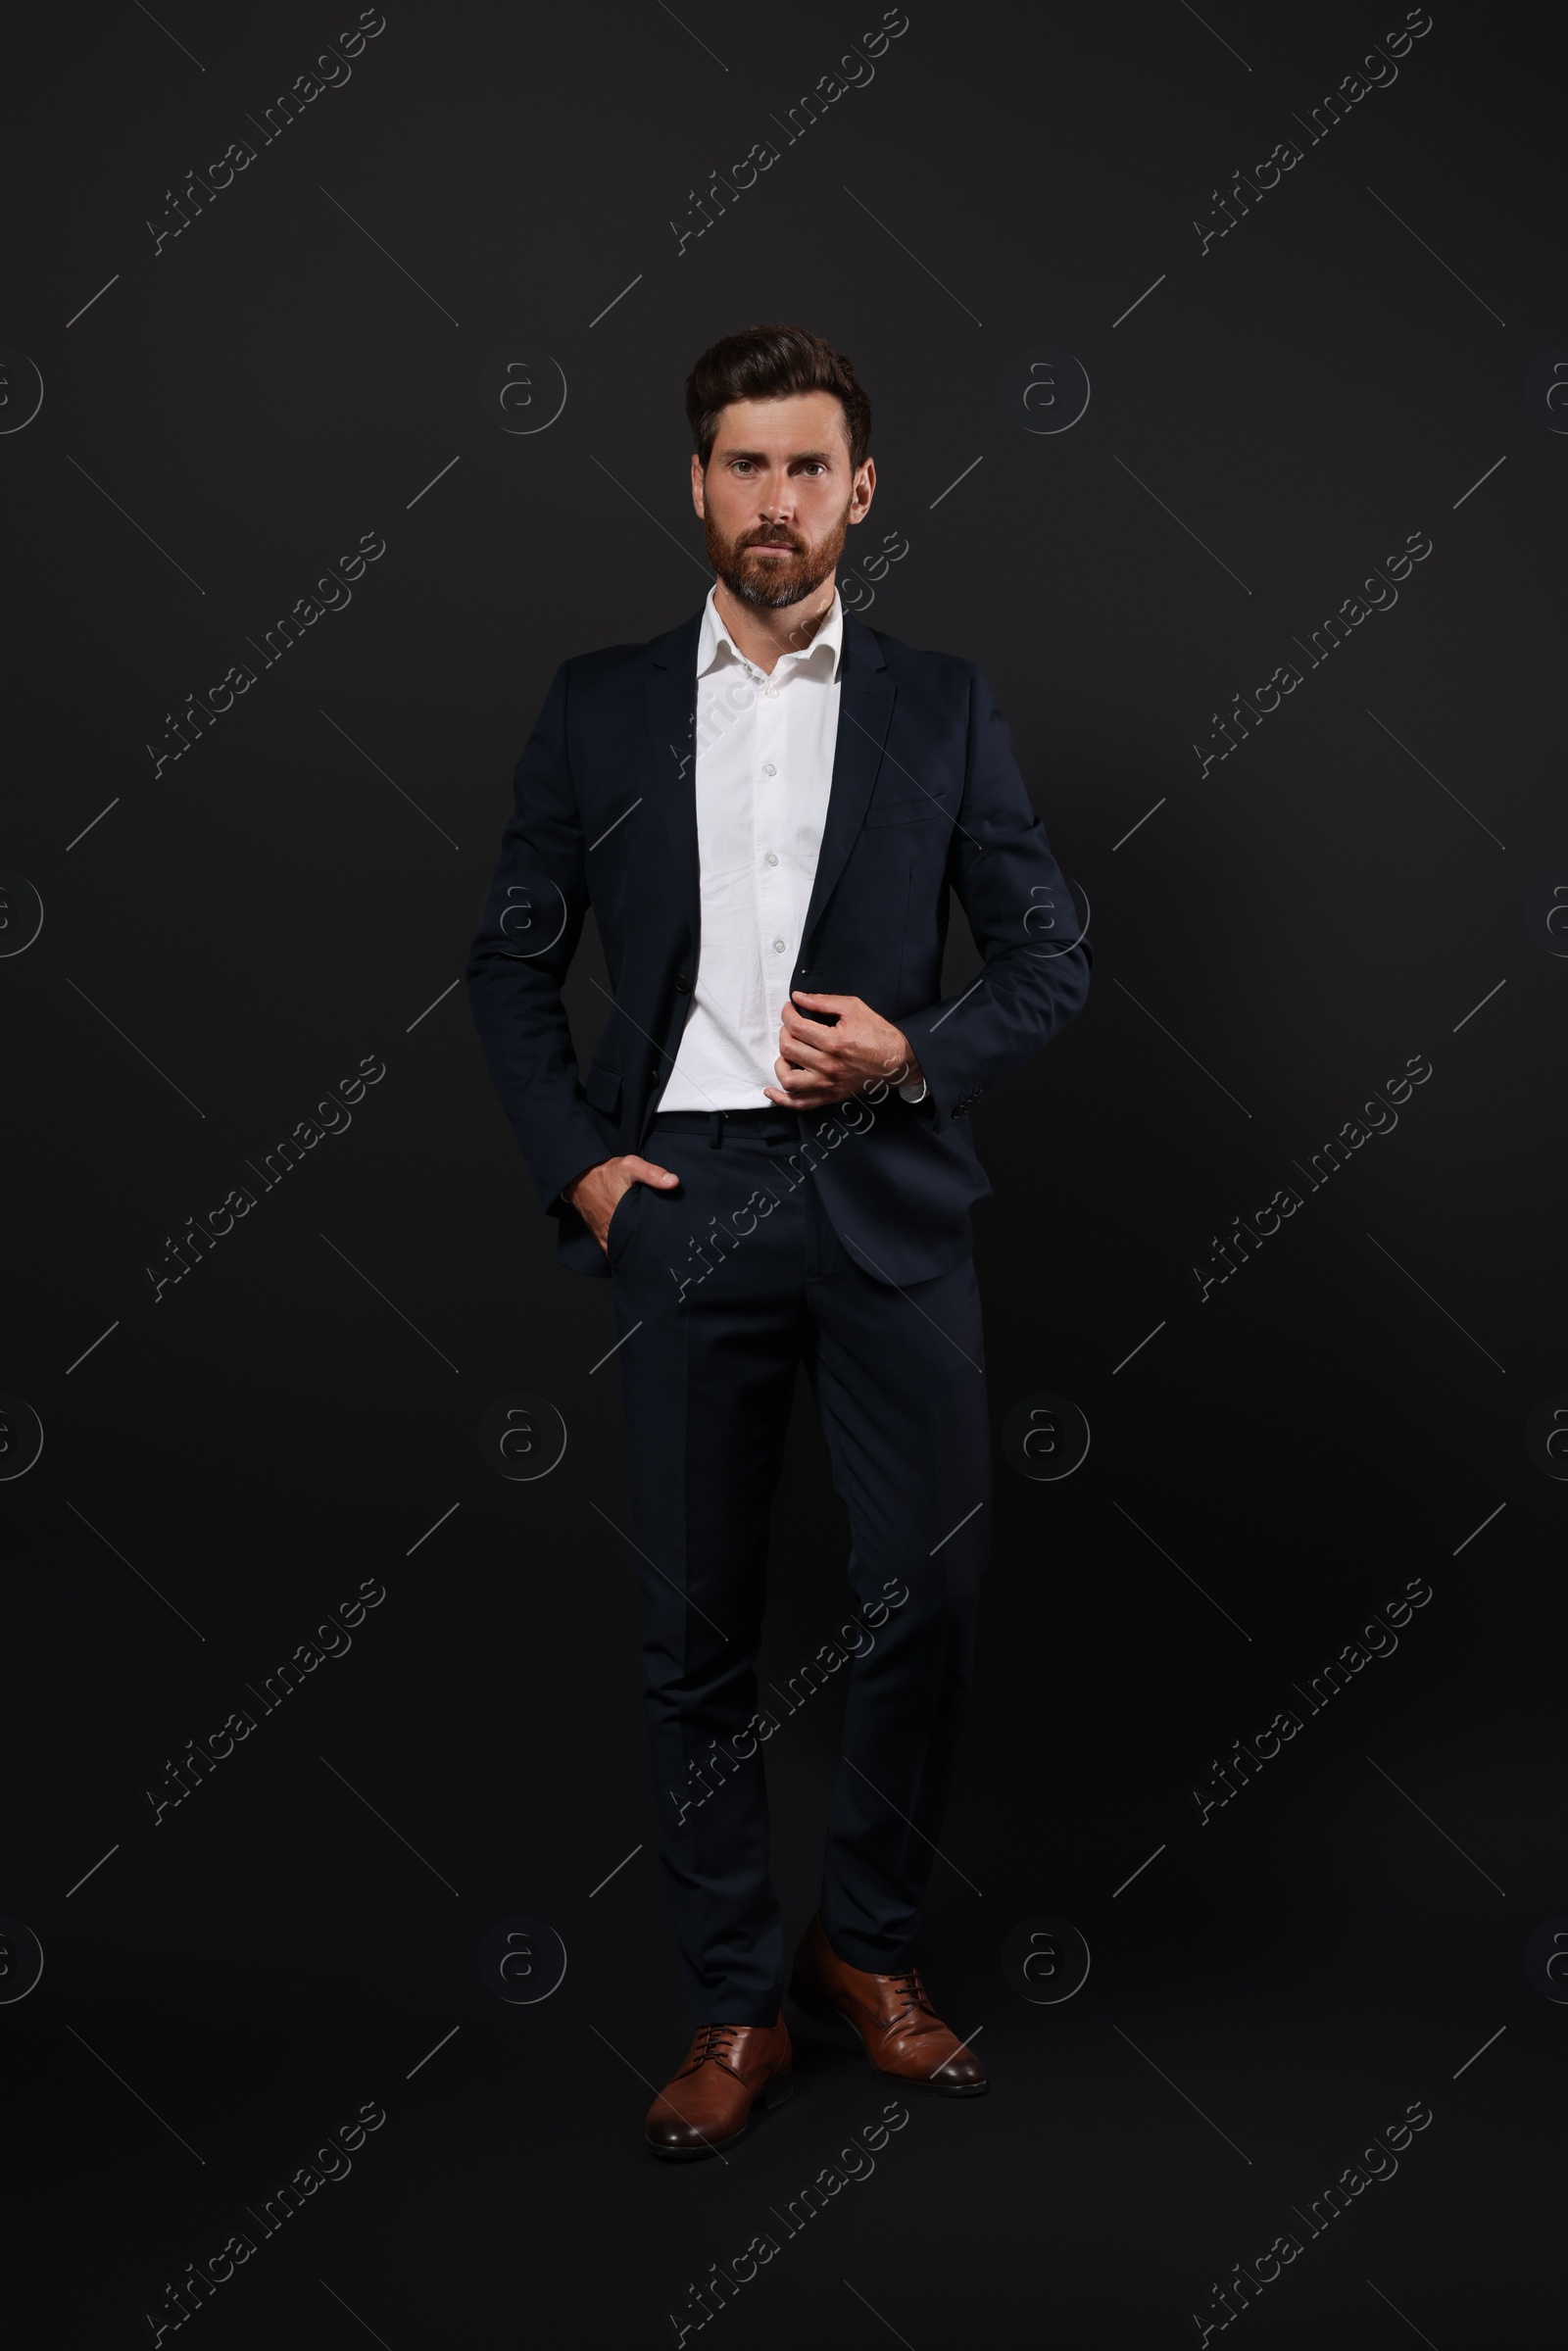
{"points": [[800, 1079], [644, 1171], [795, 1024], [799, 1070], [802, 1046], [801, 1024], [807, 1037], [826, 1004], [812, 1099]]}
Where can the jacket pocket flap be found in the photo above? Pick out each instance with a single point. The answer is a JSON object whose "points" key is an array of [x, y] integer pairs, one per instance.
{"points": [[906, 810], [602, 1089]]}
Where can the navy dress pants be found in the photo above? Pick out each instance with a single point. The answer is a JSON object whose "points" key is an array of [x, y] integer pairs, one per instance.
{"points": [[720, 1290]]}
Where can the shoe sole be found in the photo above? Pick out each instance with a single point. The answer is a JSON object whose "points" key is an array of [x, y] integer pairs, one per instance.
{"points": [[772, 2093], [822, 2012]]}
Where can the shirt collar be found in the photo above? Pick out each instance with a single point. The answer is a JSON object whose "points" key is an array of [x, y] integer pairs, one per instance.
{"points": [[715, 642]]}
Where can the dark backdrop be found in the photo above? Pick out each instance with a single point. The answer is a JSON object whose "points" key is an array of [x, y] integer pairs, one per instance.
{"points": [[1365, 881]]}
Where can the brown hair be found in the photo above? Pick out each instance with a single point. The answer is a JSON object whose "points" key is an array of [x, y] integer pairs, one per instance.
{"points": [[770, 363]]}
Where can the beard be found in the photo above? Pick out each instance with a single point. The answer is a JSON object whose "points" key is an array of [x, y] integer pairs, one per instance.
{"points": [[778, 581]]}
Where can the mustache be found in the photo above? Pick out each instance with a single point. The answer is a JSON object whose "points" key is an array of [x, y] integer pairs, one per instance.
{"points": [[806, 563]]}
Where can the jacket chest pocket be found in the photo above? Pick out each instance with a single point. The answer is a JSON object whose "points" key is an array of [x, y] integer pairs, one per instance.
{"points": [[909, 808]]}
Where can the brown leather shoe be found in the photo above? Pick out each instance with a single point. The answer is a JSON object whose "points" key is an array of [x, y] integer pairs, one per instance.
{"points": [[709, 2104], [898, 2027]]}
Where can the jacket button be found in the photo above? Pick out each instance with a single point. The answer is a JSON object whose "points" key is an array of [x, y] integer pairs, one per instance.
{"points": [[654, 1073], [683, 981]]}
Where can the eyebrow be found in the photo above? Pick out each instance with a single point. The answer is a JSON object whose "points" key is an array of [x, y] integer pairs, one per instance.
{"points": [[799, 457]]}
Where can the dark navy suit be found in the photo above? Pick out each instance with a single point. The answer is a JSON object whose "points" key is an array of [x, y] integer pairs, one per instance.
{"points": [[839, 1240]]}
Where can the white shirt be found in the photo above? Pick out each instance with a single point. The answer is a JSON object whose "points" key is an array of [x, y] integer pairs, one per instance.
{"points": [[764, 774]]}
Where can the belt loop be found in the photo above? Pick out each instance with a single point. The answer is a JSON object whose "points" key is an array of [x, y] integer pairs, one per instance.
{"points": [[716, 1131]]}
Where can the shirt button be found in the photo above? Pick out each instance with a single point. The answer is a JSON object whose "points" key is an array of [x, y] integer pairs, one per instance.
{"points": [[772, 857], [772, 694], [778, 946], [768, 767]]}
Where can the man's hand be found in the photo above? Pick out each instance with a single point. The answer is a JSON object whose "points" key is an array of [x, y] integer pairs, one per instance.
{"points": [[596, 1192], [820, 1066]]}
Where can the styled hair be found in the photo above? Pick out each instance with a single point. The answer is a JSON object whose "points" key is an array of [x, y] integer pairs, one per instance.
{"points": [[770, 363]]}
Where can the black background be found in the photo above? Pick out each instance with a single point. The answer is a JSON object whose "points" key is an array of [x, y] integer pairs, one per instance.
{"points": [[1279, 937]]}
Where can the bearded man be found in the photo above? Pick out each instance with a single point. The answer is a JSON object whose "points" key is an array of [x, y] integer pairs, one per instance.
{"points": [[769, 1156]]}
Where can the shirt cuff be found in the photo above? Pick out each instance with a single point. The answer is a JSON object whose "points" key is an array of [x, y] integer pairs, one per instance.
{"points": [[913, 1093]]}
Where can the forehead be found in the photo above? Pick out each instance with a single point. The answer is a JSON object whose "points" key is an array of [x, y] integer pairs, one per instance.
{"points": [[784, 428]]}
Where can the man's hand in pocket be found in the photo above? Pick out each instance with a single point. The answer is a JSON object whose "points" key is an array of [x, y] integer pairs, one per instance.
{"points": [[596, 1193]]}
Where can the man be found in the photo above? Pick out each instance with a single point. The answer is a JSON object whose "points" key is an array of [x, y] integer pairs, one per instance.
{"points": [[770, 1157]]}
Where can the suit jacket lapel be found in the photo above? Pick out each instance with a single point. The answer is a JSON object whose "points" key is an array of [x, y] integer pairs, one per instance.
{"points": [[672, 696], [865, 711]]}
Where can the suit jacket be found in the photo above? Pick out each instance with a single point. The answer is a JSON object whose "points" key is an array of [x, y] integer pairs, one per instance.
{"points": [[925, 797]]}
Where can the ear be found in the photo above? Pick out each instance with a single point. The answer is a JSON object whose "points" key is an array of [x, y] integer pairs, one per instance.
{"points": [[696, 487], [863, 491]]}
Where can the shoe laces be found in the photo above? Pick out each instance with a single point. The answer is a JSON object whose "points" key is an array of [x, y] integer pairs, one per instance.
{"points": [[909, 1985], [714, 2040]]}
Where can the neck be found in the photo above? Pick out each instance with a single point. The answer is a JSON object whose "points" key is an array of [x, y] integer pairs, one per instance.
{"points": [[763, 632]]}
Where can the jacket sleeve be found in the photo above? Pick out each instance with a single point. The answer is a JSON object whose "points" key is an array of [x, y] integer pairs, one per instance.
{"points": [[1021, 913], [533, 920]]}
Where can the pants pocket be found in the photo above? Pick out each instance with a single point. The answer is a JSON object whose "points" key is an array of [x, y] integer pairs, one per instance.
{"points": [[622, 1220]]}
